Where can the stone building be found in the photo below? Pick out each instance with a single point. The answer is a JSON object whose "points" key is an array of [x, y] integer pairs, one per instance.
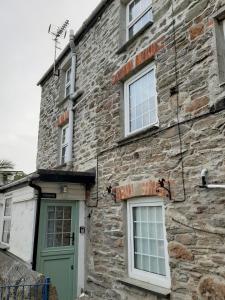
{"points": [[138, 98]]}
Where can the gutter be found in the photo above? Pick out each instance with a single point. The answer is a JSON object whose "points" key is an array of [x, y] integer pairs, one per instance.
{"points": [[70, 103], [18, 182], [37, 221]]}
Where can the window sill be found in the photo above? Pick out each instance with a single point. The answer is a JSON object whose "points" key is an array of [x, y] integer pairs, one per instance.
{"points": [[145, 286], [63, 101], [135, 135], [130, 41], [4, 246], [61, 166], [75, 96]]}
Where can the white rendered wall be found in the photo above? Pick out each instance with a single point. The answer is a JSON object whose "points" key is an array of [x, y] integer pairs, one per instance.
{"points": [[1, 213], [22, 223]]}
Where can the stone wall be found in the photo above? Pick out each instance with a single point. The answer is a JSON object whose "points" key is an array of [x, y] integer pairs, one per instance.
{"points": [[14, 271], [194, 216]]}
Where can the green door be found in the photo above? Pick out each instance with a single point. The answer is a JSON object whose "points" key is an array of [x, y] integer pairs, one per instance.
{"points": [[57, 245]]}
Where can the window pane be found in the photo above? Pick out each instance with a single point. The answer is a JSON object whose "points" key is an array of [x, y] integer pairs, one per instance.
{"points": [[137, 7], [153, 249], [159, 216], [142, 106], [50, 238], [67, 212], [152, 214], [153, 265], [138, 261], [159, 230], [149, 245], [66, 239], [58, 240], [8, 205], [59, 212], [145, 248], [162, 266], [144, 230], [137, 245], [59, 226], [64, 154], [161, 249], [67, 90], [136, 213], [51, 212], [140, 23], [68, 76], [51, 226], [6, 231], [58, 229], [67, 226], [65, 135], [152, 230], [146, 263], [137, 229]]}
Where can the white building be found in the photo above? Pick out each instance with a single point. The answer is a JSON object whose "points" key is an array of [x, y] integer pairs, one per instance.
{"points": [[42, 213]]}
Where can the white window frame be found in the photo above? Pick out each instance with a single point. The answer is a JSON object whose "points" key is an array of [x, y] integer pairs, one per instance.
{"points": [[6, 218], [67, 84], [129, 24], [63, 145], [223, 24], [127, 83], [152, 278]]}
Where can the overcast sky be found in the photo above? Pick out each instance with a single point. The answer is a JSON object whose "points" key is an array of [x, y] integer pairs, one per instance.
{"points": [[26, 52]]}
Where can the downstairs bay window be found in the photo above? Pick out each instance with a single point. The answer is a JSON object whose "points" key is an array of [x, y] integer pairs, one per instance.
{"points": [[140, 100], [147, 244]]}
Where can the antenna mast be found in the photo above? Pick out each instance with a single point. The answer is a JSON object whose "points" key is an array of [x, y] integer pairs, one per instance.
{"points": [[57, 33]]}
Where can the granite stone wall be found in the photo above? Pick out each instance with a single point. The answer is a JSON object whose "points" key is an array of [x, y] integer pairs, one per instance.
{"points": [[189, 93]]}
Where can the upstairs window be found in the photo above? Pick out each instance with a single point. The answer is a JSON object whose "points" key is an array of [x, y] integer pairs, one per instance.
{"points": [[140, 100], [7, 220], [139, 13], [64, 145], [67, 82], [219, 25]]}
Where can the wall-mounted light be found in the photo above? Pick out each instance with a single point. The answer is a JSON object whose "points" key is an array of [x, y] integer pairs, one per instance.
{"points": [[64, 189]]}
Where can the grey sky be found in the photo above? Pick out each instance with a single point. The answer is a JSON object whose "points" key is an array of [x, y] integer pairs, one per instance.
{"points": [[26, 52]]}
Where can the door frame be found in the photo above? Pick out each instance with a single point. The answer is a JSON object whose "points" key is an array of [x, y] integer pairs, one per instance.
{"points": [[76, 225]]}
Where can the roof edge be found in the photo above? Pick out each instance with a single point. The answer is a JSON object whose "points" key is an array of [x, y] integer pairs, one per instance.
{"points": [[18, 182], [52, 175], [87, 24]]}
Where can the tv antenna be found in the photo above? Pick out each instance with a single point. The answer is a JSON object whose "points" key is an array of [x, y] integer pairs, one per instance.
{"points": [[57, 33]]}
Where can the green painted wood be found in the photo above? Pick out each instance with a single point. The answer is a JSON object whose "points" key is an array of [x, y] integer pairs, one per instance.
{"points": [[59, 263]]}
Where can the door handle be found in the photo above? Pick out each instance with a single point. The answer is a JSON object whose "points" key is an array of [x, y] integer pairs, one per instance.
{"points": [[72, 237]]}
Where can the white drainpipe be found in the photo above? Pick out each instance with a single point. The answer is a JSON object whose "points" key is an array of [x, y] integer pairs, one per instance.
{"points": [[70, 103]]}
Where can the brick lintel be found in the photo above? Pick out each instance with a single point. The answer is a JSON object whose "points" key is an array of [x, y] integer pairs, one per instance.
{"points": [[139, 189], [138, 60]]}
